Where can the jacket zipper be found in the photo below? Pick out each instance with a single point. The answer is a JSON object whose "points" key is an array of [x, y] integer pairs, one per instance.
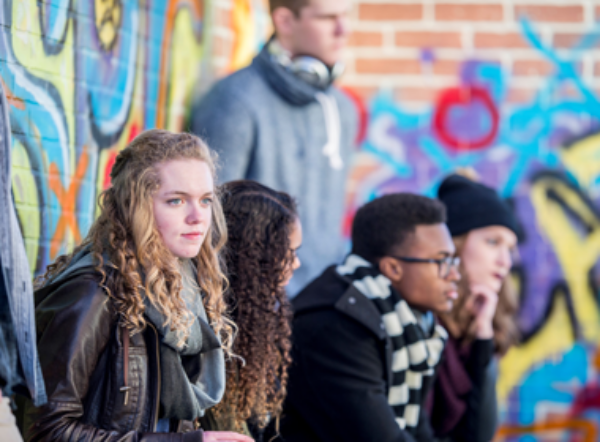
{"points": [[158, 382], [157, 405]]}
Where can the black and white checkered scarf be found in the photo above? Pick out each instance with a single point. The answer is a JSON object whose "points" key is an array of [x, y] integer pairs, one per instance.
{"points": [[415, 355]]}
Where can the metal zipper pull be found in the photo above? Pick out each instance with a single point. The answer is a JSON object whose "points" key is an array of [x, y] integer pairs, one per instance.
{"points": [[125, 389]]}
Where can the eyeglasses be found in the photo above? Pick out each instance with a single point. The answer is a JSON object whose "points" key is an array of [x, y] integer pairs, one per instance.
{"points": [[445, 265]]}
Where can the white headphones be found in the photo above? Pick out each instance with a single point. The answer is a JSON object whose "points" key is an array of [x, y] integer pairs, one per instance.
{"points": [[309, 69]]}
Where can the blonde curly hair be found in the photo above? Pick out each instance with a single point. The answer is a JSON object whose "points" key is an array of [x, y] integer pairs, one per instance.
{"points": [[126, 233]]}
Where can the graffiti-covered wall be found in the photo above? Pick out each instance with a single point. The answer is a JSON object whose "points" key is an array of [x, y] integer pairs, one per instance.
{"points": [[83, 77], [507, 87], [510, 90]]}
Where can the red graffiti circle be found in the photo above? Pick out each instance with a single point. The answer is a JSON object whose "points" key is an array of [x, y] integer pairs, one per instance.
{"points": [[464, 96]]}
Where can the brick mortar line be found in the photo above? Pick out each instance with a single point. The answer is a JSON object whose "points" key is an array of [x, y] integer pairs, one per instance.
{"points": [[588, 67], [219, 62], [394, 84], [354, 12], [433, 2], [414, 52], [405, 79], [440, 83], [467, 38], [435, 80], [490, 27], [428, 11], [510, 3], [222, 31], [388, 38], [509, 11], [222, 3], [588, 12], [547, 2]]}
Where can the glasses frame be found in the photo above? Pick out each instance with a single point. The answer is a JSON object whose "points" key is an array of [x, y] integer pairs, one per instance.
{"points": [[453, 262]]}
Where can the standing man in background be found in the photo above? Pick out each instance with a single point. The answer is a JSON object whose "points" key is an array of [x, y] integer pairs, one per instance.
{"points": [[281, 122]]}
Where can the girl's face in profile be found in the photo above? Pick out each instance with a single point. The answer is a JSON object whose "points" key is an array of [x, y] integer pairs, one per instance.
{"points": [[295, 243], [183, 205], [487, 255]]}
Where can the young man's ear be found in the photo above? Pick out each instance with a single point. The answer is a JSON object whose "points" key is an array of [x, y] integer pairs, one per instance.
{"points": [[283, 20], [391, 269]]}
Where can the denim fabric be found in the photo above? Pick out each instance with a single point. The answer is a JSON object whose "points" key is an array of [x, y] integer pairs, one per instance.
{"points": [[9, 373], [15, 270]]}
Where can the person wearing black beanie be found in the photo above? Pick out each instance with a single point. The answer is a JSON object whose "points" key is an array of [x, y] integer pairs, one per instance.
{"points": [[482, 324], [471, 205]]}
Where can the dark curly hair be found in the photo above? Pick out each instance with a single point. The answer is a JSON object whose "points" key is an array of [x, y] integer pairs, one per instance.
{"points": [[259, 222], [382, 226]]}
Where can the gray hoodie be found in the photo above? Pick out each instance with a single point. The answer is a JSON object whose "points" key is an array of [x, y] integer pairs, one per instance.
{"points": [[270, 126]]}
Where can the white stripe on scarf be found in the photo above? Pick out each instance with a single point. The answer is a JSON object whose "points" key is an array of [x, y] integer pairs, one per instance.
{"points": [[425, 352]]}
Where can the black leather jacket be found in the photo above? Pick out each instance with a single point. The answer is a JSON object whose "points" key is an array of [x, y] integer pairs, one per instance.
{"points": [[98, 388]]}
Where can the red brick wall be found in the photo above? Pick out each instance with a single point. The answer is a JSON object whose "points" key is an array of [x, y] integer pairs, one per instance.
{"points": [[386, 46]]}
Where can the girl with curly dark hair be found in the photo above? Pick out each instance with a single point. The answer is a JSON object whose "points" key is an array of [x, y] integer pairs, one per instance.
{"points": [[264, 234]]}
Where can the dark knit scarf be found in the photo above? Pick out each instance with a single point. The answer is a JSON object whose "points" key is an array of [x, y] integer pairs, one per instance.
{"points": [[182, 397], [291, 88], [453, 385], [415, 355]]}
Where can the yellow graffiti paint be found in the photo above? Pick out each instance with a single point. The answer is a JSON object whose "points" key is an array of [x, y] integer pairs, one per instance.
{"points": [[553, 339], [576, 254], [57, 69], [182, 79], [46, 65], [248, 35], [583, 160], [24, 191], [108, 18]]}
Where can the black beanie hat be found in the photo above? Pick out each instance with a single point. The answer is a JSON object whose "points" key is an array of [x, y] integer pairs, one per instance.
{"points": [[472, 205]]}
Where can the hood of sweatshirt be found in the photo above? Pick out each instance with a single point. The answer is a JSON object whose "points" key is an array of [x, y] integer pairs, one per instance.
{"points": [[291, 88], [298, 92]]}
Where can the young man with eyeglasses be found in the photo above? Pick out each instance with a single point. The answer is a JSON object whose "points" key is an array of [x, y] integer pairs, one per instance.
{"points": [[366, 343]]}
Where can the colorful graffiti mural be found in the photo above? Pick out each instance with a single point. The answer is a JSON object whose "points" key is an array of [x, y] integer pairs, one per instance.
{"points": [[251, 26], [83, 78], [544, 157]]}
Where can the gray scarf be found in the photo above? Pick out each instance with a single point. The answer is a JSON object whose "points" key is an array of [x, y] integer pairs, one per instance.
{"points": [[182, 397]]}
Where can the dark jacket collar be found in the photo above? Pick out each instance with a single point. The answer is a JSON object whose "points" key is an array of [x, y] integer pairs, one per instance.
{"points": [[43, 292], [330, 290], [73, 314]]}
